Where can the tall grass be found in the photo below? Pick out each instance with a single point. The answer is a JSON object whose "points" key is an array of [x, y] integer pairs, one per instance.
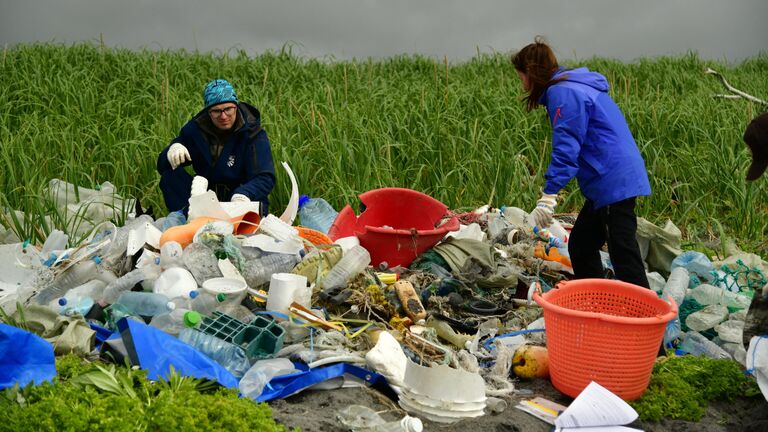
{"points": [[458, 132]]}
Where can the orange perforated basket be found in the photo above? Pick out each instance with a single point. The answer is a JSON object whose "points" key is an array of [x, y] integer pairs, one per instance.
{"points": [[315, 237], [605, 331]]}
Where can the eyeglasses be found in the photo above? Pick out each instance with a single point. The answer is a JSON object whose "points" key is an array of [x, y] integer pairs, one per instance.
{"points": [[229, 111]]}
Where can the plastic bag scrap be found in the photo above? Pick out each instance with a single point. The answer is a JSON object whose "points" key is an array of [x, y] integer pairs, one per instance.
{"points": [[658, 246], [24, 358], [156, 351], [67, 334]]}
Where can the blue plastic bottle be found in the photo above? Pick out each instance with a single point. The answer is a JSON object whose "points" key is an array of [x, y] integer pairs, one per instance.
{"points": [[316, 213]]}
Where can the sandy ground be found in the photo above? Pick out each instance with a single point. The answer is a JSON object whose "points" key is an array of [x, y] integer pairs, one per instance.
{"points": [[315, 411]]}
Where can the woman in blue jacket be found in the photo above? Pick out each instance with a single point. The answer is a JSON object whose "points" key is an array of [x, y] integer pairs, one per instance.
{"points": [[225, 144], [592, 142]]}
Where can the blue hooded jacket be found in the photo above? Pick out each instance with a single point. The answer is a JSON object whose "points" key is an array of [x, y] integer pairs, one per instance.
{"points": [[591, 141], [245, 164]]}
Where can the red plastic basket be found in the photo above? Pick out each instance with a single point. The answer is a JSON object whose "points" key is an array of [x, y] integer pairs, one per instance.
{"points": [[605, 331]]}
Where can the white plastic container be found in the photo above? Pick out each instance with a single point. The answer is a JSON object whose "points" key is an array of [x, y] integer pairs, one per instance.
{"points": [[284, 289]]}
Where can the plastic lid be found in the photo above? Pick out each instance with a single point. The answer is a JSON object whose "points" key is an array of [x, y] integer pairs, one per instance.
{"points": [[62, 301], [193, 294], [224, 285], [192, 319], [170, 305], [303, 199]]}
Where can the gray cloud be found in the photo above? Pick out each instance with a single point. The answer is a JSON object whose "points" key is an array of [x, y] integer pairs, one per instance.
{"points": [[344, 29]]}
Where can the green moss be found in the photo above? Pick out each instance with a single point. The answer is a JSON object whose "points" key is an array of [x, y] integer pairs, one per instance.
{"points": [[682, 387]]}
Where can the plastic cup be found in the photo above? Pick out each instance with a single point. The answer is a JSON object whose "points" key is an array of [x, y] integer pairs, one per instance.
{"points": [[284, 289]]}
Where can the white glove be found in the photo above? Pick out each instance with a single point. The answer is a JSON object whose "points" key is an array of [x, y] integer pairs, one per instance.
{"points": [[239, 198], [178, 154], [545, 210]]}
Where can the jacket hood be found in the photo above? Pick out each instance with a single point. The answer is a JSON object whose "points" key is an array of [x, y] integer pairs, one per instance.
{"points": [[584, 76]]}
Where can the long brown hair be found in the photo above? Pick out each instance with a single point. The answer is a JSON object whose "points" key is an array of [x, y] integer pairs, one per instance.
{"points": [[538, 62]]}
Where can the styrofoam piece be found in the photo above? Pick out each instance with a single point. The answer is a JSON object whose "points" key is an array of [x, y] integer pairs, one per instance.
{"points": [[175, 282], [235, 209], [228, 270], [435, 415], [388, 359], [444, 383], [443, 405], [199, 185], [289, 215], [270, 244], [279, 229], [284, 288], [348, 243], [206, 205], [224, 285], [146, 234]]}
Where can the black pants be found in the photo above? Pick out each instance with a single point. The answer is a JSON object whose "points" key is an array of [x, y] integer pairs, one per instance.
{"points": [[616, 224]]}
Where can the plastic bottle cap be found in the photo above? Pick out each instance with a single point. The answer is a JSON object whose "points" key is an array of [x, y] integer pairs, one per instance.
{"points": [[171, 305], [97, 259], [221, 297], [193, 294], [62, 301], [303, 199], [192, 319]]}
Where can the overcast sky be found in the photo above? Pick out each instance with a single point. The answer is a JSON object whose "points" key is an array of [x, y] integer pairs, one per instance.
{"points": [[729, 30]]}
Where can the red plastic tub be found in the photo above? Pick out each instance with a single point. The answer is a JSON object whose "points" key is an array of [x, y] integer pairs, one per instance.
{"points": [[396, 226]]}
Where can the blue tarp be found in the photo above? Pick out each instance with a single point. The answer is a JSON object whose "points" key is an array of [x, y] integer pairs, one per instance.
{"points": [[24, 358], [156, 351], [286, 385]]}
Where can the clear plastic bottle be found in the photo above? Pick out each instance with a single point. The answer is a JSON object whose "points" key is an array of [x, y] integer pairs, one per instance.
{"points": [[316, 213], [361, 418], [77, 274], [201, 262], [123, 283], [258, 272], [229, 356], [707, 318], [672, 331], [171, 255], [696, 344], [730, 331], [145, 303], [238, 312], [79, 300], [676, 285], [707, 294], [173, 219], [206, 303], [546, 235], [353, 262], [176, 321], [55, 241]]}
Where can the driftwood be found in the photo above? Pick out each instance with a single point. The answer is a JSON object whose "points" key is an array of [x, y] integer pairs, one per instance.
{"points": [[737, 94]]}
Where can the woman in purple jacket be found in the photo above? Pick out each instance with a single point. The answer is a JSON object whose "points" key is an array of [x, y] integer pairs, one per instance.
{"points": [[592, 142]]}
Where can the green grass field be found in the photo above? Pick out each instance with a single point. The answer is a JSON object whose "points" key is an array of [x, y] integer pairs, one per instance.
{"points": [[89, 114]]}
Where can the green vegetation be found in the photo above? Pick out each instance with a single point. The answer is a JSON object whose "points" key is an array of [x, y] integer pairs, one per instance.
{"points": [[100, 397], [682, 387], [88, 114]]}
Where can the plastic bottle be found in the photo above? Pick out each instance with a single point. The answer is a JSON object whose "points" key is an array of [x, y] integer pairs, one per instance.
{"points": [[696, 344], [123, 283], [707, 294], [446, 332], [206, 303], [361, 418], [201, 262], [176, 321], [676, 285], [79, 300], [257, 377], [238, 312], [316, 213], [353, 262], [548, 236], [171, 255], [77, 274], [707, 318], [173, 219], [145, 303], [730, 331], [230, 356], [672, 331], [55, 241], [257, 272]]}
